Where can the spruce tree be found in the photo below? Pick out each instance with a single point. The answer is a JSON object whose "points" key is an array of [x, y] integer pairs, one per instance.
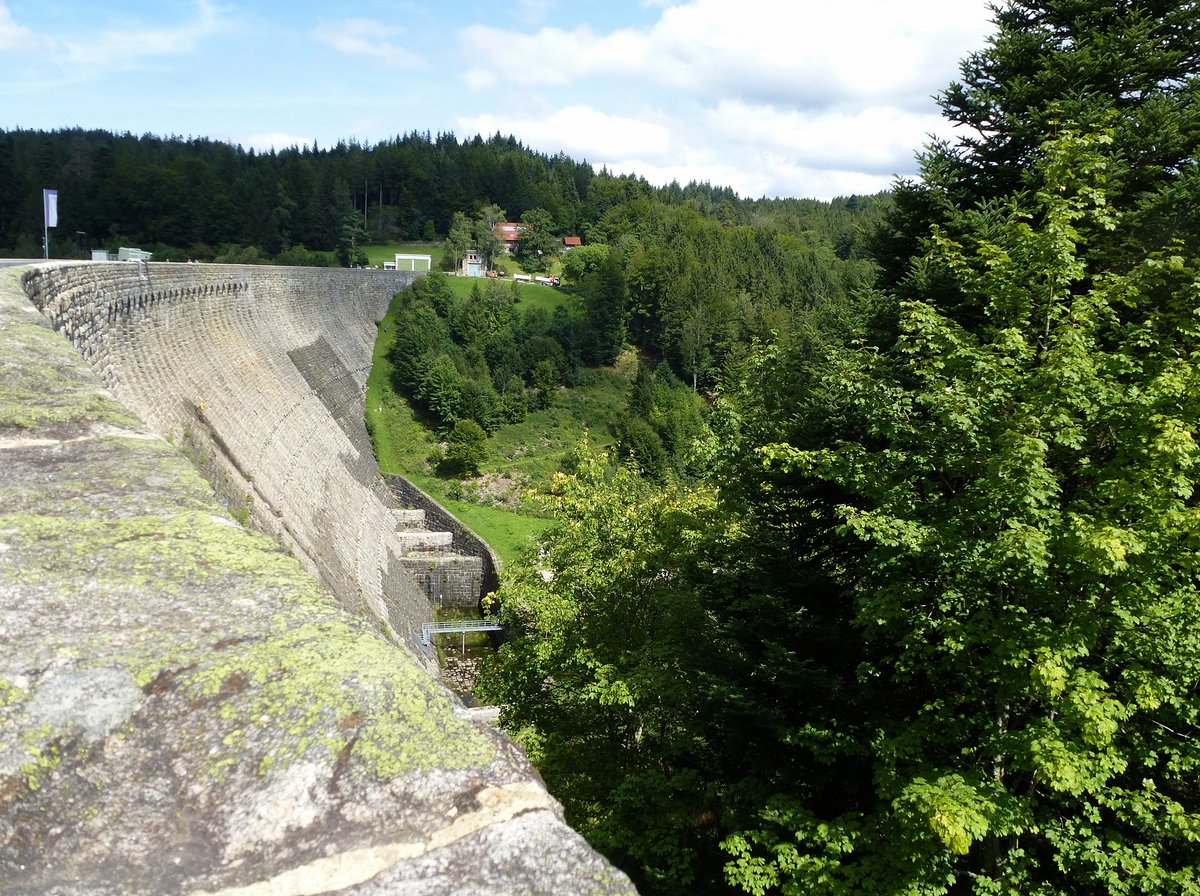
{"points": [[1128, 66]]}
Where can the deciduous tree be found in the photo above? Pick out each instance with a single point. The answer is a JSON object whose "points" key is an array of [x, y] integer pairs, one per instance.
{"points": [[1010, 510], [605, 633], [539, 246]]}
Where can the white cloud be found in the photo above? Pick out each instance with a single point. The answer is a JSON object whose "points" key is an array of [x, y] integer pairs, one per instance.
{"points": [[125, 47], [815, 53], [755, 151], [14, 36], [479, 78], [367, 38], [552, 56], [759, 176], [803, 52], [580, 131], [276, 140], [878, 139], [804, 98], [87, 57]]}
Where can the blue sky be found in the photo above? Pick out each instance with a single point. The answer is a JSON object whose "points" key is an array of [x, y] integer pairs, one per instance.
{"points": [[772, 97]]}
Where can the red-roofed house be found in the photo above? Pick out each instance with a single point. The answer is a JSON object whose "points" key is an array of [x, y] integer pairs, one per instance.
{"points": [[570, 242], [510, 232]]}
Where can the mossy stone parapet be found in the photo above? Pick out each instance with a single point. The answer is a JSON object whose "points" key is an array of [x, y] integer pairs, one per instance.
{"points": [[184, 706]]}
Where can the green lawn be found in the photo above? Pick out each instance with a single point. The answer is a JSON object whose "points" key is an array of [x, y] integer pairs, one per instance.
{"points": [[402, 442], [509, 532], [378, 254], [535, 447], [529, 295], [534, 295]]}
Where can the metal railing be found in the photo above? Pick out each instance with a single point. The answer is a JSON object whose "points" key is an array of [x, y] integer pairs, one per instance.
{"points": [[430, 629]]}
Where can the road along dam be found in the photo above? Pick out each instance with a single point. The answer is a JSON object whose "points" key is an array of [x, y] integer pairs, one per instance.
{"points": [[208, 683]]}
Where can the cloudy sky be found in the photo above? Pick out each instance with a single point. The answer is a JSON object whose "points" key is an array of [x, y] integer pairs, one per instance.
{"points": [[811, 98]]}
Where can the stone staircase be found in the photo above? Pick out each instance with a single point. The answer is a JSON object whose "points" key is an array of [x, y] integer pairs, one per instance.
{"points": [[448, 577]]}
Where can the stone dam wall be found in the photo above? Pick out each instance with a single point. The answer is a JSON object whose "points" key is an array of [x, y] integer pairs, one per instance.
{"points": [[190, 706], [259, 373], [453, 580]]}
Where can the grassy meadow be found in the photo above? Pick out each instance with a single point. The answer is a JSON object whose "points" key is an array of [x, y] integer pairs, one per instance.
{"points": [[522, 456], [377, 254]]}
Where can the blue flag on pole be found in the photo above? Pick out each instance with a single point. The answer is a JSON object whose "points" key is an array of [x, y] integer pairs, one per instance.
{"points": [[50, 207]]}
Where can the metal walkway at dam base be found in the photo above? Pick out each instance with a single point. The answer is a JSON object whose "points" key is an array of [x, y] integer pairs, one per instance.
{"points": [[430, 629]]}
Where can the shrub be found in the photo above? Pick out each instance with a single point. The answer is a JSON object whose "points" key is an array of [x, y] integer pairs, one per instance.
{"points": [[466, 449]]}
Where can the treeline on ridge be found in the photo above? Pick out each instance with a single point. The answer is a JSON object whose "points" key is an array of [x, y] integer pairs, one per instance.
{"points": [[190, 196], [688, 274]]}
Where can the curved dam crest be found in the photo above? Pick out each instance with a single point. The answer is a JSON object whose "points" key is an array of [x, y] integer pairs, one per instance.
{"points": [[186, 707]]}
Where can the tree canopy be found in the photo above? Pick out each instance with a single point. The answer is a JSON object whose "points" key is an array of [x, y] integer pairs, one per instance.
{"points": [[930, 624], [687, 273]]}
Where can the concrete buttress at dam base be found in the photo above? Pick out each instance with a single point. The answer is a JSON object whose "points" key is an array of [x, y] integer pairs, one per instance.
{"points": [[196, 706]]}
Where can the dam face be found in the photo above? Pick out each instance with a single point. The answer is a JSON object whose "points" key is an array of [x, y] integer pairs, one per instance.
{"points": [[259, 373], [192, 705]]}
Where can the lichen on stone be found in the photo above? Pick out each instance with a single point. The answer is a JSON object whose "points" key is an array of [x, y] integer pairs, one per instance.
{"points": [[320, 684]]}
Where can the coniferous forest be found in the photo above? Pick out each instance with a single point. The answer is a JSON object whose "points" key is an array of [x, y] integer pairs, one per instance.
{"points": [[908, 602]]}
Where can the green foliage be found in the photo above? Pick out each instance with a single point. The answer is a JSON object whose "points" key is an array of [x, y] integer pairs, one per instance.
{"points": [[539, 246], [577, 263], [450, 351], [231, 254], [946, 592], [522, 453], [484, 232], [1128, 68], [641, 447], [662, 425], [353, 236], [474, 233], [481, 403], [697, 288], [590, 678], [514, 403], [180, 197], [1006, 505], [301, 257], [605, 314], [466, 450], [459, 240], [544, 378]]}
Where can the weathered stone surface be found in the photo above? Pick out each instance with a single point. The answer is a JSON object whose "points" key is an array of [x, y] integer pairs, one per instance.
{"points": [[185, 709]]}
